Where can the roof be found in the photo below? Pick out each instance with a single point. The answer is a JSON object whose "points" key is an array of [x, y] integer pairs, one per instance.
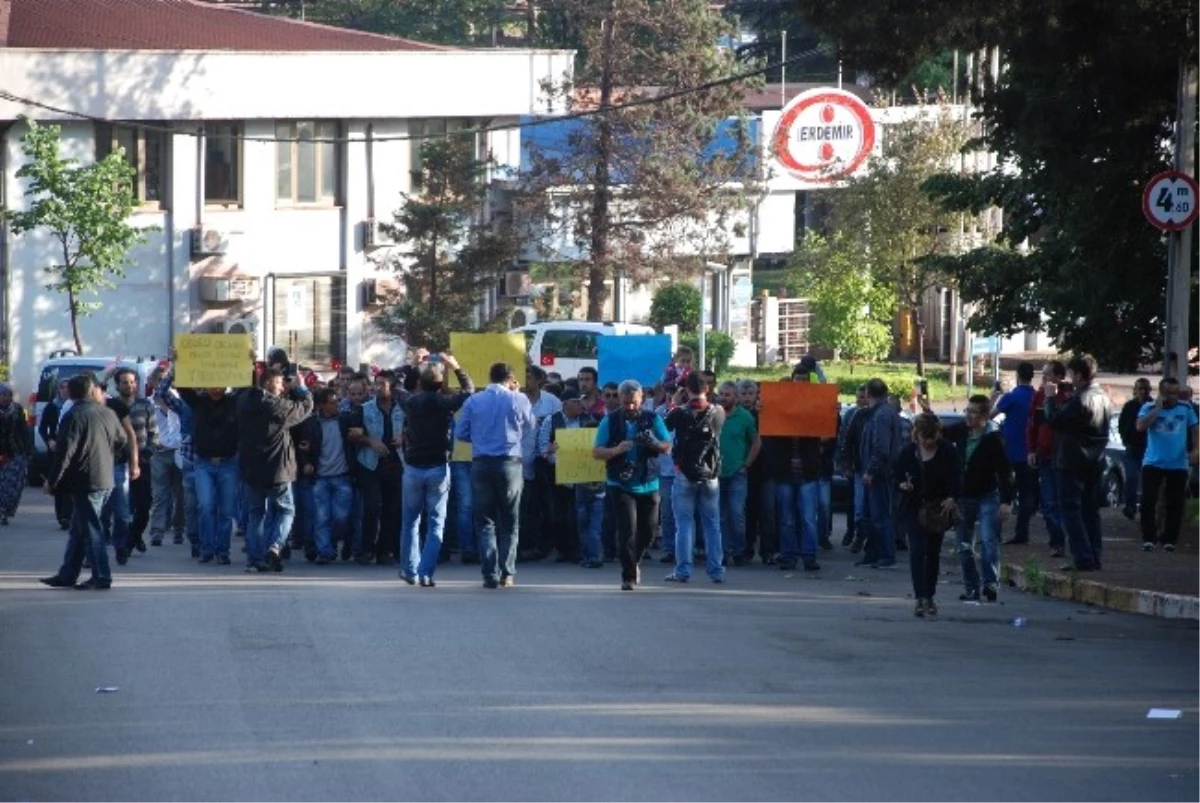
{"points": [[174, 25]]}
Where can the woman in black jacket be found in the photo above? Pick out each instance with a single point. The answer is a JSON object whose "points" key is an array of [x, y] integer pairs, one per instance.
{"points": [[927, 474]]}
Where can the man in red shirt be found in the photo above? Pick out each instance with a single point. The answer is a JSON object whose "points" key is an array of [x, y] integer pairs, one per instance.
{"points": [[1040, 440]]}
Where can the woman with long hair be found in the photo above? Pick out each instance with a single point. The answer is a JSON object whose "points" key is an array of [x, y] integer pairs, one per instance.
{"points": [[928, 476], [16, 448]]}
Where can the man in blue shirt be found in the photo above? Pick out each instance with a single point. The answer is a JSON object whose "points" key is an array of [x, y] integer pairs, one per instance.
{"points": [[1015, 406], [496, 423], [1168, 423], [631, 456]]}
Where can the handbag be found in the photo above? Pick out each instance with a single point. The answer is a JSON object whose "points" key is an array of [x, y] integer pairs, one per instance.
{"points": [[932, 518]]}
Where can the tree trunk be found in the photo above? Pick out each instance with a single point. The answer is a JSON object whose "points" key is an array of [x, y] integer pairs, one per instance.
{"points": [[71, 304], [919, 325], [531, 14], [598, 270]]}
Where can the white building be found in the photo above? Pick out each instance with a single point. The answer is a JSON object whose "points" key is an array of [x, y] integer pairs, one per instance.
{"points": [[266, 149]]}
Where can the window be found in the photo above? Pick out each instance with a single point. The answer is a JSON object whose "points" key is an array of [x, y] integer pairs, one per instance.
{"points": [[145, 150], [570, 345], [222, 163], [306, 162], [423, 131], [310, 317]]}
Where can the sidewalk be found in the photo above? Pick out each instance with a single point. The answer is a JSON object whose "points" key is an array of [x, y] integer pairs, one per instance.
{"points": [[1156, 583]]}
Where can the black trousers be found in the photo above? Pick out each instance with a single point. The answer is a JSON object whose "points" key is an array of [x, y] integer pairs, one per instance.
{"points": [[636, 515], [1174, 483], [140, 496], [381, 509]]}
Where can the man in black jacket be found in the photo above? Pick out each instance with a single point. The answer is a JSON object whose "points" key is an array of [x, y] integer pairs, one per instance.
{"points": [[48, 429], [1135, 444], [267, 459], [89, 436], [428, 419], [1081, 434], [325, 458]]}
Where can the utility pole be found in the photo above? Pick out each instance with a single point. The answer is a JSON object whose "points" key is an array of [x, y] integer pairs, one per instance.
{"points": [[598, 270], [1179, 243]]}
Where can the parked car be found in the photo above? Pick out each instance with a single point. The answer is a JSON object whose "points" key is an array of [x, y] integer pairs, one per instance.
{"points": [[1114, 468], [567, 346], [64, 364]]}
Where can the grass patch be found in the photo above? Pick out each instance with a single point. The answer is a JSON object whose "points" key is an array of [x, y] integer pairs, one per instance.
{"points": [[899, 376], [1035, 576], [1191, 513]]}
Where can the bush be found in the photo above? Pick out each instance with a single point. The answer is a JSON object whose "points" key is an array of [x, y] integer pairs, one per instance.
{"points": [[718, 349], [676, 303]]}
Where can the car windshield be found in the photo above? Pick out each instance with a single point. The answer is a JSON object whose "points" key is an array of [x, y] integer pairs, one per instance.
{"points": [[57, 372]]}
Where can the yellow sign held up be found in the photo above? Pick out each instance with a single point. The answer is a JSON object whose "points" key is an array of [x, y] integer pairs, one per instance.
{"points": [[213, 361], [573, 461], [476, 353]]}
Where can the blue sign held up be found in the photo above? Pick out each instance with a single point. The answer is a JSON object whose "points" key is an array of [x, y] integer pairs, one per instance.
{"points": [[640, 357]]}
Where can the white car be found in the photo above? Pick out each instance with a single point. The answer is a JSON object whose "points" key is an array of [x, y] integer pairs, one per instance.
{"points": [[566, 346]]}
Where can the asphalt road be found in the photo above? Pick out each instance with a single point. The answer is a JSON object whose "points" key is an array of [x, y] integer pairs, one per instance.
{"points": [[339, 682]]}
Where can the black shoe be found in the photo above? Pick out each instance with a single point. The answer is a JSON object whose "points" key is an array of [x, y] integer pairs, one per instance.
{"points": [[787, 565], [1166, 548], [385, 559], [206, 558], [1015, 541], [561, 558], [64, 524], [1056, 552], [668, 557], [365, 559], [811, 566], [195, 552], [847, 539], [989, 593], [275, 560], [54, 581], [122, 556], [155, 542], [825, 543], [93, 585], [469, 559], [857, 544], [1079, 567], [286, 552], [177, 539], [223, 560], [490, 583], [427, 582], [969, 596], [627, 585], [139, 545], [347, 552], [592, 564], [739, 560], [408, 578], [1129, 513]]}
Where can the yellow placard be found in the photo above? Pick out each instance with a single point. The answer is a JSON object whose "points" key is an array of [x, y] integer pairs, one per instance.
{"points": [[463, 452], [573, 460], [476, 353], [213, 361]]}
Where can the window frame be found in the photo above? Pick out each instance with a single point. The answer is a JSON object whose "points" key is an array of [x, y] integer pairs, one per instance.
{"points": [[583, 343], [104, 145], [290, 139], [237, 134]]}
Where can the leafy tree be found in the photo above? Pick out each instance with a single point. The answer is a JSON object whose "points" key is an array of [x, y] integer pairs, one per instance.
{"points": [[637, 185], [676, 303], [904, 229], [462, 23], [852, 312], [86, 210], [449, 255], [1079, 119], [718, 348]]}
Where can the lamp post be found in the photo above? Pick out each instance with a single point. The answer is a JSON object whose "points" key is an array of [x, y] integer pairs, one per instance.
{"points": [[709, 268]]}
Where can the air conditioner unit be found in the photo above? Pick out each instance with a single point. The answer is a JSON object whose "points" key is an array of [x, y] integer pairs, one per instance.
{"points": [[247, 325], [379, 291], [517, 283], [521, 316], [233, 288], [374, 234], [206, 241]]}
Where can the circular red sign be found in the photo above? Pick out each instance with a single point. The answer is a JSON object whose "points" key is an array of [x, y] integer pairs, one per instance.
{"points": [[832, 104], [1171, 200]]}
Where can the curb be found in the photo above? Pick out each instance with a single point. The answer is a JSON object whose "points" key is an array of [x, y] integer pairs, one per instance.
{"points": [[1090, 592]]}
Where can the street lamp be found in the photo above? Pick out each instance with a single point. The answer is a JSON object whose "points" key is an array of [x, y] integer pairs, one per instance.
{"points": [[709, 268]]}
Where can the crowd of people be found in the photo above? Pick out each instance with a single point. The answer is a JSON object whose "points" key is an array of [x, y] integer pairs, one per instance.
{"points": [[407, 468]]}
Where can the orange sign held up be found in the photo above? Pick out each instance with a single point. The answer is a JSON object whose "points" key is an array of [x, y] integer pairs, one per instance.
{"points": [[798, 410]]}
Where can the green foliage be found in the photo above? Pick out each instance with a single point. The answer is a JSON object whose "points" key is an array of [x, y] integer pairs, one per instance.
{"points": [[852, 312], [462, 23], [676, 303], [448, 257], [718, 349], [86, 210]]}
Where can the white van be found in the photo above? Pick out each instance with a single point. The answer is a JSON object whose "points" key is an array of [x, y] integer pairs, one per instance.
{"points": [[566, 346]]}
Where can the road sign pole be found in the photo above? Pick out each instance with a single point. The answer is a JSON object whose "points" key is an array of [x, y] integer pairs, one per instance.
{"points": [[1179, 244]]}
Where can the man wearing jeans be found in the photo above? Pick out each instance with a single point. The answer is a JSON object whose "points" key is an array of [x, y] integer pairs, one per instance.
{"points": [[698, 428], [326, 466], [1168, 424], [1135, 445], [267, 459], [428, 419], [739, 449], [1015, 406], [1040, 443], [586, 499], [880, 443], [82, 466], [496, 423]]}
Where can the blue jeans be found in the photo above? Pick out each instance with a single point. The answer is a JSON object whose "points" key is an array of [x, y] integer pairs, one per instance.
{"points": [[861, 511], [797, 506], [589, 519], [1048, 500], [86, 537], [496, 485], [464, 514], [426, 492], [1079, 500], [666, 514], [270, 519], [1133, 480], [883, 531], [986, 511], [191, 512], [116, 515], [216, 504], [691, 498], [824, 508], [333, 498], [733, 512]]}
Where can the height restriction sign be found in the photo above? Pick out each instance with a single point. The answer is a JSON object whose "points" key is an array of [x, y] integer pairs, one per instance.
{"points": [[1169, 200]]}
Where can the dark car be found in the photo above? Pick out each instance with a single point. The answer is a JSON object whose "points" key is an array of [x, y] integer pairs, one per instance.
{"points": [[1114, 468]]}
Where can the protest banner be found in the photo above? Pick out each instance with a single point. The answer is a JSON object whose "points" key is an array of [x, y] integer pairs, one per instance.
{"points": [[639, 357], [476, 353], [573, 460], [213, 361], [798, 410]]}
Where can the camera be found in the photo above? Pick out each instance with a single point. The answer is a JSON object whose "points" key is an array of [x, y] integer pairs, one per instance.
{"points": [[646, 439], [625, 472]]}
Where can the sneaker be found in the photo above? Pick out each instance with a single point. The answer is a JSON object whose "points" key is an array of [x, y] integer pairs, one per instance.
{"points": [[919, 611], [592, 564], [156, 541], [739, 560], [675, 578], [930, 607], [1056, 552], [139, 545], [123, 556], [1129, 513], [668, 557], [865, 562], [321, 560], [719, 580], [255, 568], [408, 578], [626, 586], [885, 564], [490, 583], [772, 559], [989, 593], [1168, 547], [826, 544], [786, 565], [195, 552], [811, 566], [507, 581], [275, 559], [1148, 546], [425, 582], [857, 544], [223, 560], [969, 596], [847, 539], [206, 558]]}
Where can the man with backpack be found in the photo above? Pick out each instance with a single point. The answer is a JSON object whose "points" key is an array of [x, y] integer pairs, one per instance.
{"points": [[697, 426]]}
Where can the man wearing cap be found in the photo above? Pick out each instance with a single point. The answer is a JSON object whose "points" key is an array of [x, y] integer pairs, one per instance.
{"points": [[495, 423], [587, 499]]}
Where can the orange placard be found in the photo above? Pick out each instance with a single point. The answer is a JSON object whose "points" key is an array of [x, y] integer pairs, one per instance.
{"points": [[798, 410]]}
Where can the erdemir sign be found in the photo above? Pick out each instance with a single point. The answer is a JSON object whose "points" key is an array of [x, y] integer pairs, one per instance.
{"points": [[823, 135]]}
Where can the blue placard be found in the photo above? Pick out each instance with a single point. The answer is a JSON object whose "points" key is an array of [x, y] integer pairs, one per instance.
{"points": [[640, 357]]}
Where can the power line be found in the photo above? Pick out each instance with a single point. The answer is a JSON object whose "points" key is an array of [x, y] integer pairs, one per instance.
{"points": [[538, 121]]}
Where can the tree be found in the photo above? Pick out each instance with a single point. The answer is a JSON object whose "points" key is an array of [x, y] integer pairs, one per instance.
{"points": [[86, 209], [904, 229], [851, 311], [639, 185], [676, 303], [461, 23], [449, 254], [1079, 119]]}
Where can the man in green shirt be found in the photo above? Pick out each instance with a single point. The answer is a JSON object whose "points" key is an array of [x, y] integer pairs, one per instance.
{"points": [[739, 446]]}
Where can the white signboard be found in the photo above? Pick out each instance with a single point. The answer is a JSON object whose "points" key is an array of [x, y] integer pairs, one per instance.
{"points": [[297, 307], [823, 135], [1169, 201]]}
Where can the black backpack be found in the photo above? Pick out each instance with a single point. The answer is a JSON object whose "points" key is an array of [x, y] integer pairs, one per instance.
{"points": [[696, 451]]}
